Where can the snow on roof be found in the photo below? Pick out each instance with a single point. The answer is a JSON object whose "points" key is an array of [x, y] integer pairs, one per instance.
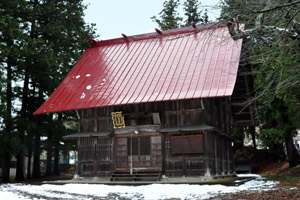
{"points": [[184, 63]]}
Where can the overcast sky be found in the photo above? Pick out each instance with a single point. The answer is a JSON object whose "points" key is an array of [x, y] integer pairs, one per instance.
{"points": [[131, 17]]}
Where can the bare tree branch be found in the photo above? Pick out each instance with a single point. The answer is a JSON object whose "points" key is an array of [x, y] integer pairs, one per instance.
{"points": [[235, 33], [278, 6]]}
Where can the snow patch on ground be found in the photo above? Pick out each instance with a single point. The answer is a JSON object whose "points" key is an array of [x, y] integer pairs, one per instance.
{"points": [[249, 175], [154, 191]]}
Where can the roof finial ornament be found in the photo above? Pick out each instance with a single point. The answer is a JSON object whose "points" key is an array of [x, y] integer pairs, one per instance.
{"points": [[158, 31], [125, 37], [194, 25], [92, 41]]}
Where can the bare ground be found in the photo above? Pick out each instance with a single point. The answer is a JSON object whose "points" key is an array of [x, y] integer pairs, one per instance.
{"points": [[288, 189]]}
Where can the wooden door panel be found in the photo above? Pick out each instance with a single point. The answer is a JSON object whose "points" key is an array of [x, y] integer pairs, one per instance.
{"points": [[143, 152], [121, 153]]}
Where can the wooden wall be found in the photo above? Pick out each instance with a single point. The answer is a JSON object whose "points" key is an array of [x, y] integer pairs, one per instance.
{"points": [[215, 112], [218, 154], [97, 155], [215, 161], [182, 164]]}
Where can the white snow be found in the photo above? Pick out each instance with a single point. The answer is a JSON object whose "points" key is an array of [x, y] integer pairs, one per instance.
{"points": [[154, 191], [82, 96], [249, 175], [88, 87], [10, 195]]}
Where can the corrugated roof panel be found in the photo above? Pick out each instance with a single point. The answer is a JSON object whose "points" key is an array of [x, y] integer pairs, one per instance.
{"points": [[179, 64], [133, 90]]}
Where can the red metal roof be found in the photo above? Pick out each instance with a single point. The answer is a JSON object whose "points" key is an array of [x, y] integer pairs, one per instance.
{"points": [[177, 64]]}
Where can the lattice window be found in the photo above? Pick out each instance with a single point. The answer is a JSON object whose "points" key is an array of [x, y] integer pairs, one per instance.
{"points": [[104, 149], [86, 149]]}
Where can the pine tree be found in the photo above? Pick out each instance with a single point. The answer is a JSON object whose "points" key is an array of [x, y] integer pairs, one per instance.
{"points": [[193, 13], [169, 18], [62, 37], [39, 41], [10, 41]]}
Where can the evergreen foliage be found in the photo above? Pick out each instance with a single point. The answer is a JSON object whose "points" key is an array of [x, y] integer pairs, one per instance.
{"points": [[191, 11], [39, 43], [273, 41], [169, 18]]}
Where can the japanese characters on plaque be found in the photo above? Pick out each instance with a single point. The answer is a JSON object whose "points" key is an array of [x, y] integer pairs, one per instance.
{"points": [[118, 119]]}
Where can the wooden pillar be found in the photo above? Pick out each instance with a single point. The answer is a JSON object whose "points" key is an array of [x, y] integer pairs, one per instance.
{"points": [[95, 156], [223, 155], [205, 154], [113, 152], [216, 154], [183, 160], [163, 149], [228, 157]]}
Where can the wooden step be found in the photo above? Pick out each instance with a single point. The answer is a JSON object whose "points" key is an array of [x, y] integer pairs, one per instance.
{"points": [[135, 176]]}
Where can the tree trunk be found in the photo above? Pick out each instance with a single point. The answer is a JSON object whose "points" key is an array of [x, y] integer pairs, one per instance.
{"points": [[57, 136], [20, 154], [252, 131], [293, 156], [20, 166], [56, 158], [29, 161], [36, 173], [49, 155], [292, 153], [5, 166]]}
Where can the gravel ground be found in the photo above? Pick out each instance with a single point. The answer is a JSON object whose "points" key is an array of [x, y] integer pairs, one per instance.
{"points": [[277, 193]]}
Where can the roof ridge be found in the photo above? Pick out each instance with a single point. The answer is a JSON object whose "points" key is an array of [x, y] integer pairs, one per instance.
{"points": [[145, 36]]}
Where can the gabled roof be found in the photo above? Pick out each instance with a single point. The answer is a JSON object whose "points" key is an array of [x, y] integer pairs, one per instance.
{"points": [[182, 63]]}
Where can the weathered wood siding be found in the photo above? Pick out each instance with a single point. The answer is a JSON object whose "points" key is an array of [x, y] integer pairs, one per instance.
{"points": [[144, 153], [95, 156], [182, 164], [213, 111], [99, 156], [218, 154]]}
